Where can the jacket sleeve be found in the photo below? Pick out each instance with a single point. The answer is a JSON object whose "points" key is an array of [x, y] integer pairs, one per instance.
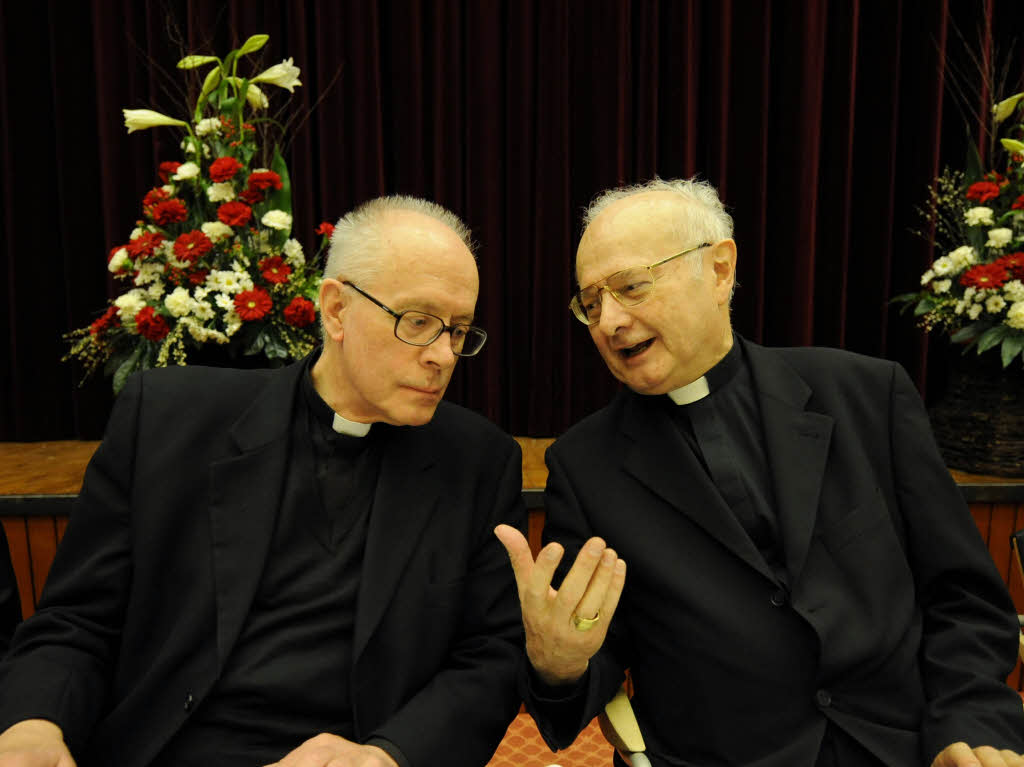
{"points": [[461, 714], [562, 715], [969, 626], [62, 659], [10, 604]]}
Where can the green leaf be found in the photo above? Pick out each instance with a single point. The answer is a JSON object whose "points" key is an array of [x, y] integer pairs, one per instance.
{"points": [[253, 44], [280, 199], [991, 337], [191, 62], [924, 306], [1013, 344], [209, 84], [129, 366], [967, 333], [974, 169]]}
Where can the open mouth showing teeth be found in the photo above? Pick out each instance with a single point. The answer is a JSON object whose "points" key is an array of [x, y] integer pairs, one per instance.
{"points": [[632, 351]]}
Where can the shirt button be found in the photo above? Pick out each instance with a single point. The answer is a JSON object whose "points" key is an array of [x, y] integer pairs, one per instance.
{"points": [[189, 702], [824, 698], [779, 597]]}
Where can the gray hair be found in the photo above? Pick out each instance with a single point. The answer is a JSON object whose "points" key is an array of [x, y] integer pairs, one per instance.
{"points": [[358, 238]]}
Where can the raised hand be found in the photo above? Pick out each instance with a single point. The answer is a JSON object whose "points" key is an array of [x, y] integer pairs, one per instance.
{"points": [[326, 750], [564, 628]]}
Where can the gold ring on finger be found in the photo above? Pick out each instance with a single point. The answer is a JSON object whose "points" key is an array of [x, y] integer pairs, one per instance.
{"points": [[585, 624]]}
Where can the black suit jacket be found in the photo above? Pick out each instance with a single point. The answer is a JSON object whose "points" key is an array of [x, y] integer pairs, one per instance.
{"points": [[165, 549], [894, 624], [10, 604]]}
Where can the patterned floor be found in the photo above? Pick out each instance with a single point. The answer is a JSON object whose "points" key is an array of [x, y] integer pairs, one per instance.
{"points": [[523, 747]]}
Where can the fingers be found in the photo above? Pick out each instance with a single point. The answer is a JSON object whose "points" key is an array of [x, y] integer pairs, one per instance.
{"points": [[962, 755]]}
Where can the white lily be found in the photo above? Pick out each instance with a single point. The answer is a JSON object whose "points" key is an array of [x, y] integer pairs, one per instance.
{"points": [[257, 99], [283, 75], [1005, 108], [1012, 145], [140, 119]]}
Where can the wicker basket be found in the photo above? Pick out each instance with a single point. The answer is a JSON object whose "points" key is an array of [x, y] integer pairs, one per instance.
{"points": [[979, 422]]}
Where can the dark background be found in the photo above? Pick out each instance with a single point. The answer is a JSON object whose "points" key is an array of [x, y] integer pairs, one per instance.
{"points": [[822, 123]]}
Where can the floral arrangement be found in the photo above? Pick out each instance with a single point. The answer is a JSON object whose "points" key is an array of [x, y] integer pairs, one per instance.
{"points": [[975, 291], [211, 261]]}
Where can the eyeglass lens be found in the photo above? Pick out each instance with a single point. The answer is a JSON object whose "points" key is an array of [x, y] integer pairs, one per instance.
{"points": [[423, 329], [630, 286]]}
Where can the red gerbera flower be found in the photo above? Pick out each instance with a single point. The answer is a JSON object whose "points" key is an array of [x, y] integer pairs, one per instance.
{"points": [[1018, 204], [192, 246], [104, 321], [151, 325], [264, 180], [234, 213], [326, 229], [275, 270], [168, 169], [982, 191], [300, 312], [1013, 263], [144, 245], [171, 211], [253, 304], [985, 276], [224, 169]]}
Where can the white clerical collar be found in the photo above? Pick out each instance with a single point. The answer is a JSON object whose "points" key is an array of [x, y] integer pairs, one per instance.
{"points": [[351, 428], [692, 392]]}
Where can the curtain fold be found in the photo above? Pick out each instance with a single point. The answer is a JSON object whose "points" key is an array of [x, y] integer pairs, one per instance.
{"points": [[822, 123]]}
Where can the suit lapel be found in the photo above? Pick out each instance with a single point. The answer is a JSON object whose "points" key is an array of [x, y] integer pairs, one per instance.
{"points": [[405, 500], [245, 492], [658, 457], [797, 444]]}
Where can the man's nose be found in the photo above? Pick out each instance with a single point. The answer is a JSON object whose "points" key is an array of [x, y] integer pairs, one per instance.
{"points": [[439, 351], [613, 314]]}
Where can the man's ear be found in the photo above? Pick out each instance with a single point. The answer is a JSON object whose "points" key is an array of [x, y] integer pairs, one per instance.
{"points": [[723, 265], [332, 306]]}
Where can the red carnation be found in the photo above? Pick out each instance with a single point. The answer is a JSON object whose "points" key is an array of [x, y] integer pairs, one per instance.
{"points": [[151, 325], [144, 245], [192, 246], [251, 196], [1018, 204], [104, 321], [171, 211], [300, 312], [234, 213], [326, 229], [275, 270], [985, 276], [153, 196], [253, 304], [1013, 263], [264, 180], [224, 169], [168, 169], [983, 191], [198, 277]]}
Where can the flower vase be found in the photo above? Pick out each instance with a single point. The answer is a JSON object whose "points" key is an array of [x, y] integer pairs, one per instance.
{"points": [[979, 421]]}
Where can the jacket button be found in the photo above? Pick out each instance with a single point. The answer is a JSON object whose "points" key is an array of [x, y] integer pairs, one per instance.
{"points": [[779, 597], [189, 702], [824, 698]]}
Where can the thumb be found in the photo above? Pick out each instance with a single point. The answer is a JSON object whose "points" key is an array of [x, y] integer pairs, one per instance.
{"points": [[518, 549]]}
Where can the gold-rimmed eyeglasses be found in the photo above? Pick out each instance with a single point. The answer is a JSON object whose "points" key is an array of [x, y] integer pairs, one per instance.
{"points": [[629, 287]]}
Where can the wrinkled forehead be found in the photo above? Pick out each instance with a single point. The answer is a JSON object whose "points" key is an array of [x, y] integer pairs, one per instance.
{"points": [[635, 231]]}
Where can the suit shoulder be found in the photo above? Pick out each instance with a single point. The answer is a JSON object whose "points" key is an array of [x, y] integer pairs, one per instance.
{"points": [[452, 421], [819, 361]]}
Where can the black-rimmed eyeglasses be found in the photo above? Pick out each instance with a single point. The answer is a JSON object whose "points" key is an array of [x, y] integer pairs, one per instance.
{"points": [[629, 287], [422, 329]]}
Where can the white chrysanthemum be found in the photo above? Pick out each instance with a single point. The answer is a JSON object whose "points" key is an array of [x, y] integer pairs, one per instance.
{"points": [[232, 323], [203, 334], [186, 171], [960, 307], [293, 253], [165, 249], [963, 257], [969, 292], [241, 264], [128, 304], [1015, 315], [943, 266], [203, 311], [999, 238], [179, 302], [927, 276], [225, 281], [156, 290], [149, 273], [223, 191], [995, 304], [277, 219], [980, 216], [216, 230], [120, 260], [941, 286], [1013, 291], [207, 126], [224, 302], [974, 311], [200, 293]]}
